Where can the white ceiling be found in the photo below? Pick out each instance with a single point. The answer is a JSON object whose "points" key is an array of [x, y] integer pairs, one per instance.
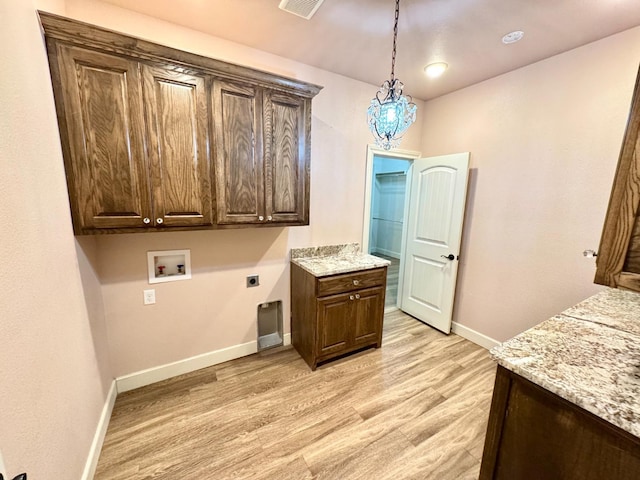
{"points": [[354, 37]]}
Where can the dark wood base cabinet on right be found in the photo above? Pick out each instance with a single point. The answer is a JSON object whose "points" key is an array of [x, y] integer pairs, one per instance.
{"points": [[534, 434]]}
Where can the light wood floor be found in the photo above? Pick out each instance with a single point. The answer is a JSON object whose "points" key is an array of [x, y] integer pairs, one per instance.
{"points": [[416, 408]]}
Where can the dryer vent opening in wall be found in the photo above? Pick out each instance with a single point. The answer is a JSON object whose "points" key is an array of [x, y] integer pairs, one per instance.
{"points": [[270, 325], [302, 8]]}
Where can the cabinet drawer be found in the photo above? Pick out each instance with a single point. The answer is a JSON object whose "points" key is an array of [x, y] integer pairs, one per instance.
{"points": [[351, 281]]}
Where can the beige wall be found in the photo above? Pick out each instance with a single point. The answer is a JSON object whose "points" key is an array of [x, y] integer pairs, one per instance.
{"points": [[544, 143], [214, 309], [54, 369]]}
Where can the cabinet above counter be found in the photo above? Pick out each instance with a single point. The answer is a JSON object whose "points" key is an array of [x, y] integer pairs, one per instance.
{"points": [[157, 139], [618, 259]]}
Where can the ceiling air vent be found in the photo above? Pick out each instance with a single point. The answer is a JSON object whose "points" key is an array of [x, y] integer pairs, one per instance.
{"points": [[302, 8]]}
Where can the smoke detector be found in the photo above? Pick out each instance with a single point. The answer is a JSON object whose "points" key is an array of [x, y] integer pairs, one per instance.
{"points": [[301, 8]]}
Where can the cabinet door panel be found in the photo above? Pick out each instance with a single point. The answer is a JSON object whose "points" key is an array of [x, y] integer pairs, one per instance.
{"points": [[369, 312], [176, 109], [334, 318], [285, 171], [238, 153], [103, 113]]}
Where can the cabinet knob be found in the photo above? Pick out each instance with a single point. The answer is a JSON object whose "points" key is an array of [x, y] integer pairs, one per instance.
{"points": [[357, 296], [261, 218], [269, 218], [351, 297], [146, 220], [356, 282], [159, 221]]}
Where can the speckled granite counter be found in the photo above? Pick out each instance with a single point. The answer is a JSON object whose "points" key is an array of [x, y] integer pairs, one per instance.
{"points": [[588, 355], [334, 259]]}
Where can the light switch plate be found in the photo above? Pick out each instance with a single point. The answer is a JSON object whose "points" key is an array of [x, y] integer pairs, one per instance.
{"points": [[150, 296]]}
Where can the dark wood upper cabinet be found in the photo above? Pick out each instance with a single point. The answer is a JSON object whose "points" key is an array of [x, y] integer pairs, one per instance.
{"points": [[239, 160], [155, 138], [618, 261], [103, 123], [262, 161], [177, 132], [286, 157]]}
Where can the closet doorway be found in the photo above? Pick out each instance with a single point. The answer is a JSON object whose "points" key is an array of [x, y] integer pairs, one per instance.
{"points": [[385, 192]]}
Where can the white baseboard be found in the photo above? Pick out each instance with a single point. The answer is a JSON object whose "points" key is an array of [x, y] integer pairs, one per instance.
{"points": [[101, 431], [162, 372], [473, 336]]}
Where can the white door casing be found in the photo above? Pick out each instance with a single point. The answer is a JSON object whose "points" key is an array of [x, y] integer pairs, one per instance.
{"points": [[433, 218]]}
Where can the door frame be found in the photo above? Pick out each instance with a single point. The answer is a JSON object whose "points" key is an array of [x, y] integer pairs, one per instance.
{"points": [[372, 151]]}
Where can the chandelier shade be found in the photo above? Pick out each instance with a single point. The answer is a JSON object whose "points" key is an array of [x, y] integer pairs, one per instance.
{"points": [[391, 113]]}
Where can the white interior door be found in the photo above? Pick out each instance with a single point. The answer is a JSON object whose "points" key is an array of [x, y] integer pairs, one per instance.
{"points": [[435, 213]]}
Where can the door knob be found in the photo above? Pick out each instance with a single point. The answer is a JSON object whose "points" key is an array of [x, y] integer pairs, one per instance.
{"points": [[159, 221], [146, 220], [451, 256]]}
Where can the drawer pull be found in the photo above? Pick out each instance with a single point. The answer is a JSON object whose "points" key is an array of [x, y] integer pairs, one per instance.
{"points": [[356, 282], [357, 296], [351, 297]]}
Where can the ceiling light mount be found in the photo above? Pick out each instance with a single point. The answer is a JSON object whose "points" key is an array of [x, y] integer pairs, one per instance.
{"points": [[390, 113], [434, 70], [513, 37]]}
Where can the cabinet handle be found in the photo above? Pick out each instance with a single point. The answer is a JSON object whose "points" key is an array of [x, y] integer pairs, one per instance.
{"points": [[356, 282], [269, 218], [261, 218], [146, 220], [357, 296], [351, 297], [159, 221]]}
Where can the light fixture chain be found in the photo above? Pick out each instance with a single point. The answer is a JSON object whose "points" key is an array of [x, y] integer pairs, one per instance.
{"points": [[395, 36]]}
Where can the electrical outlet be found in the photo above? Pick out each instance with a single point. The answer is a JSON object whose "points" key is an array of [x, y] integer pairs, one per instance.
{"points": [[149, 297], [253, 281]]}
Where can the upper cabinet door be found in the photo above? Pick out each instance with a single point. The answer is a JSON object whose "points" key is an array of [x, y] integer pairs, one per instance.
{"points": [[286, 170], [177, 126], [103, 139], [238, 153], [618, 258]]}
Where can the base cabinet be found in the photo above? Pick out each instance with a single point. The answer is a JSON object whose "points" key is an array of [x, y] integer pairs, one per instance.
{"points": [[335, 315], [533, 433]]}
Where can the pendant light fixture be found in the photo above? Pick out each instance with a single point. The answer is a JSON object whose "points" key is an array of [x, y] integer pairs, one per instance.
{"points": [[390, 113]]}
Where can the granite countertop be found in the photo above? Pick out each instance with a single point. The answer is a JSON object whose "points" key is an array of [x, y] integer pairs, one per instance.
{"points": [[589, 355], [334, 259]]}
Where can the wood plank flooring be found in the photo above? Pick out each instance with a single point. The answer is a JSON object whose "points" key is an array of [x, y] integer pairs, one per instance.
{"points": [[416, 408]]}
